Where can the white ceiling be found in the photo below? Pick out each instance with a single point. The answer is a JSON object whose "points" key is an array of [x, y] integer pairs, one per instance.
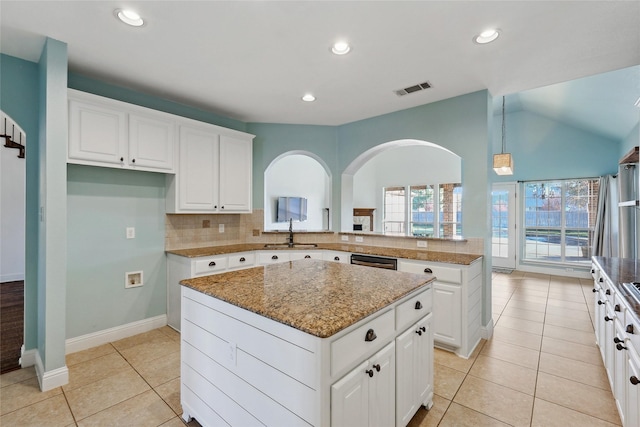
{"points": [[253, 60]]}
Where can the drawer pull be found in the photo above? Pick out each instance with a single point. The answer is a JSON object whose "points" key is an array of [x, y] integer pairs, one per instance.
{"points": [[620, 347], [600, 302], [418, 305], [594, 290], [376, 367], [423, 329], [212, 264], [370, 336], [617, 340], [630, 329], [274, 257], [634, 380], [242, 259], [336, 258], [419, 332], [608, 292], [428, 270], [122, 159], [369, 372], [607, 318], [593, 271], [617, 307], [133, 160], [307, 256], [601, 280], [215, 207]]}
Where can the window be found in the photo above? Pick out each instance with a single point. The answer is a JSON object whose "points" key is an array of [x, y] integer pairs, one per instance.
{"points": [[429, 210], [559, 220]]}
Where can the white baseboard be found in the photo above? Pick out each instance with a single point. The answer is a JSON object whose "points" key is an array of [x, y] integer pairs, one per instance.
{"points": [[105, 336], [11, 277], [50, 379], [28, 357], [487, 331]]}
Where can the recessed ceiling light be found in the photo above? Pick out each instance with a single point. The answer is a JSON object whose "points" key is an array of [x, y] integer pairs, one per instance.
{"points": [[308, 98], [129, 17], [340, 48], [487, 36]]}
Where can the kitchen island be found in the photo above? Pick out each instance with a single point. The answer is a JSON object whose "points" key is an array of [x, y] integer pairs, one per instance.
{"points": [[306, 342]]}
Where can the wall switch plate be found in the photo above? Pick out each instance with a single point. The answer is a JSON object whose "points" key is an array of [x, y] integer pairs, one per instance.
{"points": [[133, 279], [220, 228], [359, 239], [345, 238], [131, 233], [422, 244]]}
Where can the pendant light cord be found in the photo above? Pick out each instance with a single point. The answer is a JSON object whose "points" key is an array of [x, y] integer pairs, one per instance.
{"points": [[504, 128]]}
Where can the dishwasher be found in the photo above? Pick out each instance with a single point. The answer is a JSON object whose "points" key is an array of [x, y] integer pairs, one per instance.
{"points": [[374, 261]]}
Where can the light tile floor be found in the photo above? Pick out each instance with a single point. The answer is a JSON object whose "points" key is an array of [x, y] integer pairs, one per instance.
{"points": [[541, 368]]}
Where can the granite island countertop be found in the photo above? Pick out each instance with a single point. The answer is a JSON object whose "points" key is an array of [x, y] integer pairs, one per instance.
{"points": [[419, 255], [619, 271], [317, 297]]}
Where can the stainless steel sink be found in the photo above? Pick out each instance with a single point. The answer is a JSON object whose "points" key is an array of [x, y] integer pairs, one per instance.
{"points": [[295, 245]]}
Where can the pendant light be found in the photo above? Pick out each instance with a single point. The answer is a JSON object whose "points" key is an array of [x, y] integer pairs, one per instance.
{"points": [[503, 162]]}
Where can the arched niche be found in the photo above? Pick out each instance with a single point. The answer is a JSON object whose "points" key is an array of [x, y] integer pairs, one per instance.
{"points": [[298, 174], [400, 162]]}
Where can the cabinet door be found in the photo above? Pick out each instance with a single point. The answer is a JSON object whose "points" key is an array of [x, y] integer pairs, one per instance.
{"points": [[632, 416], [236, 165], [198, 173], [447, 314], [350, 399], [424, 362], [382, 391], [97, 134], [151, 143], [406, 403], [620, 376]]}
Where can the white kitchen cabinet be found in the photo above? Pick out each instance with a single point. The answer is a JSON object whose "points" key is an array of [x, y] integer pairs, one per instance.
{"points": [[366, 395], [632, 389], [109, 133], [457, 308], [414, 370], [214, 172], [272, 257], [337, 256]]}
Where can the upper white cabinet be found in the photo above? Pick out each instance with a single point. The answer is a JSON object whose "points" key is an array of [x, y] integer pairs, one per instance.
{"points": [[214, 172], [109, 133]]}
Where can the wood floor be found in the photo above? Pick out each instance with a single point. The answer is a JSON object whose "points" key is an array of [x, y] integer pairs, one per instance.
{"points": [[11, 324]]}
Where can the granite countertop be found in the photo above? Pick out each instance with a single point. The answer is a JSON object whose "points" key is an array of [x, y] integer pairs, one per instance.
{"points": [[619, 271], [317, 297], [424, 255]]}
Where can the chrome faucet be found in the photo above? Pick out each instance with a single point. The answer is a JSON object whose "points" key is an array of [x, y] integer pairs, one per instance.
{"points": [[290, 240]]}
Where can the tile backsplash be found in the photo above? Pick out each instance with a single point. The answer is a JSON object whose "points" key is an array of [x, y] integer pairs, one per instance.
{"points": [[186, 231]]}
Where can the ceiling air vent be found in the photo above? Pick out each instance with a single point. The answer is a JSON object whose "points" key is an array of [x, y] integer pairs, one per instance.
{"points": [[414, 88]]}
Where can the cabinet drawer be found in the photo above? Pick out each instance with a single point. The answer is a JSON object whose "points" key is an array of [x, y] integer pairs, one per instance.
{"points": [[242, 260], [354, 346], [342, 257], [443, 274], [414, 308], [306, 254], [210, 265], [273, 257]]}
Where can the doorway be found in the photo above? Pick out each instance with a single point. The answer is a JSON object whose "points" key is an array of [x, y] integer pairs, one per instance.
{"points": [[503, 226]]}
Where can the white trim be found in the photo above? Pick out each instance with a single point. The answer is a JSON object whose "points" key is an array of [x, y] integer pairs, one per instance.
{"points": [[579, 272], [105, 336], [486, 331], [49, 380], [27, 357]]}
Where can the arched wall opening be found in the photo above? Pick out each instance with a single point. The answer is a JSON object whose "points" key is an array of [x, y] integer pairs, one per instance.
{"points": [[298, 174], [401, 162]]}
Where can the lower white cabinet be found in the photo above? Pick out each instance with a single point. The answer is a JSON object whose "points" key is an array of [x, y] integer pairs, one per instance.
{"points": [[632, 390], [414, 370], [365, 396], [457, 303]]}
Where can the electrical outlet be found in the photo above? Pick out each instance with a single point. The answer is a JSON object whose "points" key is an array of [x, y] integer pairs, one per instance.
{"points": [[345, 238], [131, 233], [422, 244], [220, 228], [359, 239], [233, 352]]}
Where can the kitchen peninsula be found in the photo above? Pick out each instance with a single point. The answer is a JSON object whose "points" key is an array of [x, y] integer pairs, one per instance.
{"points": [[306, 343]]}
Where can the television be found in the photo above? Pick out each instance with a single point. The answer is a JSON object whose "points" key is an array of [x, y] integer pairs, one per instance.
{"points": [[294, 208]]}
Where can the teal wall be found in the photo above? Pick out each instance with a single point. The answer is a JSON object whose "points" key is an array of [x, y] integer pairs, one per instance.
{"points": [[102, 203], [546, 149], [19, 93], [52, 257], [632, 140]]}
